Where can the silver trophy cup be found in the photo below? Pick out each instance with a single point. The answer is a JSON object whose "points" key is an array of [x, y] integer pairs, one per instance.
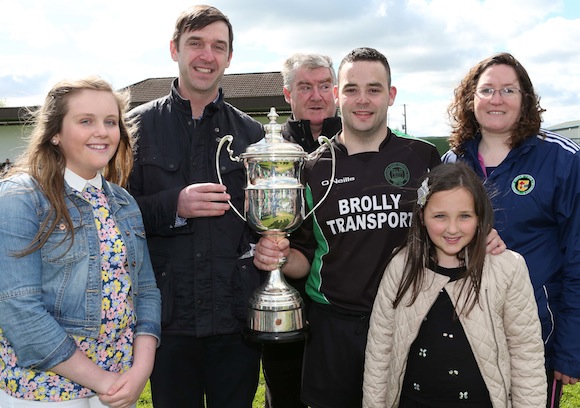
{"points": [[275, 207]]}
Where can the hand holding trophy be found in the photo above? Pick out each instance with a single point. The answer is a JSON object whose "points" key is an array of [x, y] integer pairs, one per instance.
{"points": [[275, 207]]}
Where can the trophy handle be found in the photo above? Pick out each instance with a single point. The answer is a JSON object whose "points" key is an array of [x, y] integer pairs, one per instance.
{"points": [[226, 139], [321, 141]]}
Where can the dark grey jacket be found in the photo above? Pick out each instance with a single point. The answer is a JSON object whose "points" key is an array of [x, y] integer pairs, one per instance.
{"points": [[298, 131], [204, 283]]}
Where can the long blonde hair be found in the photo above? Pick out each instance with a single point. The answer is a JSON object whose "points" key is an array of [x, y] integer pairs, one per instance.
{"points": [[46, 163]]}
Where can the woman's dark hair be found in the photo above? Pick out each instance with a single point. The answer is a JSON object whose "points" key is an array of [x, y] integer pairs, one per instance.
{"points": [[461, 110]]}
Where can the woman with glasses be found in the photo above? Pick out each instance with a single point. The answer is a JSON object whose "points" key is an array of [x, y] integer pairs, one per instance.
{"points": [[533, 176]]}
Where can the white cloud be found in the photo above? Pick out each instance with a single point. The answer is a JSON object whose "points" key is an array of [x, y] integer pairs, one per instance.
{"points": [[430, 44]]}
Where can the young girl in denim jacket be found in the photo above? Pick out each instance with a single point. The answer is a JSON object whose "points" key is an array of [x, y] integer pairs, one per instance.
{"points": [[79, 307]]}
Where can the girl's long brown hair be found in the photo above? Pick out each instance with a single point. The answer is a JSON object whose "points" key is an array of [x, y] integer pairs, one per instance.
{"points": [[420, 249], [46, 163]]}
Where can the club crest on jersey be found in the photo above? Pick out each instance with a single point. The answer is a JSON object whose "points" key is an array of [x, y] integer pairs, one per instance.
{"points": [[397, 174], [523, 184]]}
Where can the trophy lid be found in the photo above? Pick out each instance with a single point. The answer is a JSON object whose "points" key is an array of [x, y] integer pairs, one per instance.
{"points": [[273, 143]]}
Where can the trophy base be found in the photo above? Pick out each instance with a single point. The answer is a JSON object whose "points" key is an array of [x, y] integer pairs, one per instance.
{"points": [[278, 337]]}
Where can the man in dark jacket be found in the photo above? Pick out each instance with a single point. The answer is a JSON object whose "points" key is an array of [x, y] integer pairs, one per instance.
{"points": [[200, 248], [308, 88]]}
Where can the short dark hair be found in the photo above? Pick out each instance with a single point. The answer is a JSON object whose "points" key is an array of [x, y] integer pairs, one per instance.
{"points": [[198, 17], [367, 54]]}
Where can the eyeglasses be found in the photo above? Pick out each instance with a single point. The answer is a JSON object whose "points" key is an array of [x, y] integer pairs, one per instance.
{"points": [[487, 93]]}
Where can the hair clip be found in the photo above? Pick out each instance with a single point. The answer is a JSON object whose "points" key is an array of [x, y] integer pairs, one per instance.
{"points": [[423, 192], [59, 92]]}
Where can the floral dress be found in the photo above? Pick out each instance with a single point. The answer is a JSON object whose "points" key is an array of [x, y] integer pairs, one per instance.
{"points": [[112, 350]]}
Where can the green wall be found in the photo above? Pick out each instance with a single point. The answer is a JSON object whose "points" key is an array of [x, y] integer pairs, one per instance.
{"points": [[12, 141], [440, 142]]}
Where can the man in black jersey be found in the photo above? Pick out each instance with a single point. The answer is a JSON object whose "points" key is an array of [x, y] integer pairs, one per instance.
{"points": [[344, 248], [309, 80]]}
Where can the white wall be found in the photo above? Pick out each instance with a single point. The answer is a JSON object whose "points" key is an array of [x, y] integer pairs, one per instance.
{"points": [[12, 141], [571, 132]]}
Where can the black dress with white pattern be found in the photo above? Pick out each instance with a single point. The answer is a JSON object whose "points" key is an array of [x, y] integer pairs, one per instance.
{"points": [[441, 369]]}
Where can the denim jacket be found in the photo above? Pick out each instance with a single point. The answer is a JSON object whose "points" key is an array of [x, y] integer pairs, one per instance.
{"points": [[55, 292]]}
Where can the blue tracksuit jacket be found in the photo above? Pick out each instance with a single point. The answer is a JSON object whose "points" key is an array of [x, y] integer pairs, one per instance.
{"points": [[536, 196]]}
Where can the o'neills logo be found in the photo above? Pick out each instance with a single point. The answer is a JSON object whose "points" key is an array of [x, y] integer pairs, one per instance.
{"points": [[523, 184], [346, 179]]}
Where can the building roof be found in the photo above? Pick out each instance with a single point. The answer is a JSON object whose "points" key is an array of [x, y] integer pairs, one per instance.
{"points": [[565, 125], [15, 115], [254, 93]]}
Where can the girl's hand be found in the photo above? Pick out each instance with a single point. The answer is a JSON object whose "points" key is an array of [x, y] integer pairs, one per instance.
{"points": [[125, 391], [129, 386]]}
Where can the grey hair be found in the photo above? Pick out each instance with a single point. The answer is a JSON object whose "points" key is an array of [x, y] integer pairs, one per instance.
{"points": [[310, 61]]}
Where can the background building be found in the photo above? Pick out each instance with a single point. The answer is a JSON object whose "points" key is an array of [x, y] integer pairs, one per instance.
{"points": [[253, 93], [569, 129]]}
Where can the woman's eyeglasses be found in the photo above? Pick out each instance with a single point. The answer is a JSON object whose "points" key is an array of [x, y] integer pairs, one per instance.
{"points": [[506, 93]]}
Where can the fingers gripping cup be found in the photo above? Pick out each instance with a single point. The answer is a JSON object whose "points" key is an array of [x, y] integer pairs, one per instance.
{"points": [[275, 207]]}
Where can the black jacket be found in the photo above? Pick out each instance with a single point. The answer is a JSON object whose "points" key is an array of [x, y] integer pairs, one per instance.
{"points": [[298, 131], [204, 284]]}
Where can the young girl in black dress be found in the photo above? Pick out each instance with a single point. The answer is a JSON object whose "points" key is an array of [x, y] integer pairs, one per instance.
{"points": [[451, 325]]}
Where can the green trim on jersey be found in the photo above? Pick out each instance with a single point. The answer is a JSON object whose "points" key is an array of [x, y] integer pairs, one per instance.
{"points": [[400, 134], [314, 281]]}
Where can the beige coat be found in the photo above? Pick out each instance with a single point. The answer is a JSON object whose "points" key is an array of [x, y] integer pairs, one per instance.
{"points": [[503, 331]]}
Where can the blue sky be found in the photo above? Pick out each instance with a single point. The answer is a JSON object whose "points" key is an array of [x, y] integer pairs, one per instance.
{"points": [[430, 44]]}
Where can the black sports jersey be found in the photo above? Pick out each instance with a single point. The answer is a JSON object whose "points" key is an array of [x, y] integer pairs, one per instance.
{"points": [[351, 236]]}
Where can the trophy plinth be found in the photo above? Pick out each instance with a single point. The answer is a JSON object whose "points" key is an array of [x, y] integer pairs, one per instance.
{"points": [[276, 312], [275, 208]]}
